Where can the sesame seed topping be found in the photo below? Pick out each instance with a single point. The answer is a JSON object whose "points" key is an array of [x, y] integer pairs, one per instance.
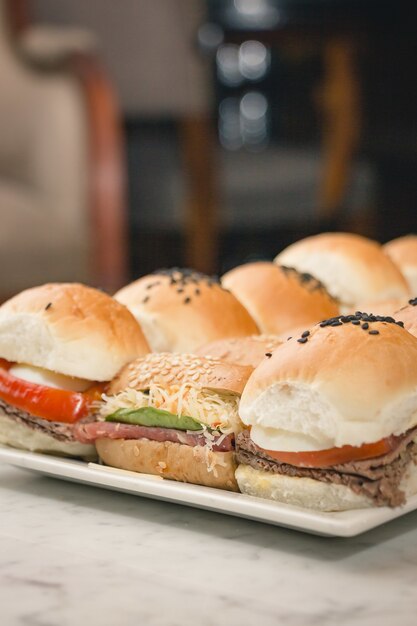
{"points": [[187, 300], [305, 333], [413, 301], [48, 306], [268, 354], [302, 340], [374, 332], [365, 326]]}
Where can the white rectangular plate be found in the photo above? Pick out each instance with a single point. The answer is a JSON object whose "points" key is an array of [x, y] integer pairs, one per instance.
{"points": [[344, 524]]}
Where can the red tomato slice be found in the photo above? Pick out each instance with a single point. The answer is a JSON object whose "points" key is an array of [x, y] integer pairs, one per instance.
{"points": [[336, 456], [55, 405]]}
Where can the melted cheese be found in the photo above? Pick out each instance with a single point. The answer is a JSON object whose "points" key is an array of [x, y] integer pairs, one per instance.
{"points": [[40, 376]]}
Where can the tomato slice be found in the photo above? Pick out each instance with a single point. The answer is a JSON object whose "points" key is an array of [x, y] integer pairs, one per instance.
{"points": [[336, 456], [55, 405]]}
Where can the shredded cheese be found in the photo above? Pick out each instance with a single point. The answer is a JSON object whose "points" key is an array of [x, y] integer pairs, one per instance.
{"points": [[211, 409]]}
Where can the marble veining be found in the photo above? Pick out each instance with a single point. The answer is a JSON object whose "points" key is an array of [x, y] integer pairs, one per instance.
{"points": [[71, 554]]}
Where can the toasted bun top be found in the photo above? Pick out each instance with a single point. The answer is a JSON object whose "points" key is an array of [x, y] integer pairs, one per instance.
{"points": [[341, 385], [408, 315], [279, 298], [352, 267], [403, 251], [179, 310], [242, 350], [71, 329], [168, 369]]}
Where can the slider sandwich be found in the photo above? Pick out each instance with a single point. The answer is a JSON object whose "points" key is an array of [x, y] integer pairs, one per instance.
{"points": [[172, 415], [403, 251], [354, 269], [59, 344], [279, 298], [242, 350], [332, 418], [180, 310], [408, 316]]}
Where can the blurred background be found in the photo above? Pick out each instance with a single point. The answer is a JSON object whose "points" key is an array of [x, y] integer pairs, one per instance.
{"points": [[202, 133]]}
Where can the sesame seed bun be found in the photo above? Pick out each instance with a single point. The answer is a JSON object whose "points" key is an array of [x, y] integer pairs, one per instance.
{"points": [[408, 315], [341, 385], [352, 267], [403, 251], [177, 461], [179, 310], [279, 298], [70, 329], [169, 369], [242, 350], [171, 460]]}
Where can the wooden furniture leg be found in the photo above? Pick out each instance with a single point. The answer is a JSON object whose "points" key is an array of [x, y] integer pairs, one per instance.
{"points": [[201, 218], [341, 123]]}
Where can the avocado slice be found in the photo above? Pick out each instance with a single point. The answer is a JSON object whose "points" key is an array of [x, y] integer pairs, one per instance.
{"points": [[149, 416]]}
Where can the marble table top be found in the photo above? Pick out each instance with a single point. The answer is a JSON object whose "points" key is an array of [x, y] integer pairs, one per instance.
{"points": [[76, 555]]}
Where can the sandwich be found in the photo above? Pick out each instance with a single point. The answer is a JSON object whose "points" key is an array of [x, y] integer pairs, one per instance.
{"points": [[180, 310], [174, 416], [353, 268], [403, 251], [279, 298], [332, 418], [59, 345], [408, 316], [242, 350]]}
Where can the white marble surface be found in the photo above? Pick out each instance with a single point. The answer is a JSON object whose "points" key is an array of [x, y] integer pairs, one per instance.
{"points": [[71, 554]]}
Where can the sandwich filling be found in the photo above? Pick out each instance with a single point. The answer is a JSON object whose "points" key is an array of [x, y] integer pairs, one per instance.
{"points": [[377, 477], [46, 402], [186, 414]]}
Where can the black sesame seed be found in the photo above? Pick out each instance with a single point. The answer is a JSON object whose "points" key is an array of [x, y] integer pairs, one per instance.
{"points": [[288, 338], [365, 326], [356, 322], [268, 354], [145, 300], [413, 301], [48, 306], [180, 290], [302, 340], [338, 323], [197, 292], [305, 333], [374, 332], [187, 300], [400, 324]]}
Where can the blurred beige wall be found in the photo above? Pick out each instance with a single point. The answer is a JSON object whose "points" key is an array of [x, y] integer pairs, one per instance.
{"points": [[148, 47]]}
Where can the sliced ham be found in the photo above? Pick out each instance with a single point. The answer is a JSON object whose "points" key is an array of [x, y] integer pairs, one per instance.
{"points": [[88, 433]]}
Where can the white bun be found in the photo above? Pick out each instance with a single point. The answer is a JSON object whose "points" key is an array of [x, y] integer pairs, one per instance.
{"points": [[408, 315], [381, 307], [343, 386], [279, 298], [171, 460], [168, 369], [249, 351], [17, 435], [310, 493], [70, 329], [403, 251], [352, 267], [180, 310]]}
